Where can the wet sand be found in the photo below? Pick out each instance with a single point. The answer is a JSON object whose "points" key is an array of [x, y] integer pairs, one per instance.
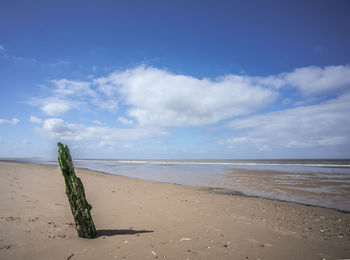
{"points": [[314, 188], [144, 220]]}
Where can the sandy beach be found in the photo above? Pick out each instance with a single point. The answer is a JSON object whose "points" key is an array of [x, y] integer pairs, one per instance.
{"points": [[145, 220]]}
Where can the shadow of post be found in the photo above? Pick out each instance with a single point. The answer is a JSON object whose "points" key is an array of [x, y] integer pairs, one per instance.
{"points": [[118, 232]]}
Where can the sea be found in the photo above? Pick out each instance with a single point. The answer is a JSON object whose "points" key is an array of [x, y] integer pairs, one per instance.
{"points": [[314, 182]]}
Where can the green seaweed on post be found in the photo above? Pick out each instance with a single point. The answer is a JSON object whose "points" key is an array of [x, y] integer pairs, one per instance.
{"points": [[76, 195]]}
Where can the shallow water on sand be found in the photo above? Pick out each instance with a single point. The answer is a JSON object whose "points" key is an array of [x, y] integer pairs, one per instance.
{"points": [[323, 183]]}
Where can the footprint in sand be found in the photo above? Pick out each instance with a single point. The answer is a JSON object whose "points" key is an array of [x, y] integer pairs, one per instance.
{"points": [[10, 218], [259, 243], [5, 246], [30, 219], [52, 224]]}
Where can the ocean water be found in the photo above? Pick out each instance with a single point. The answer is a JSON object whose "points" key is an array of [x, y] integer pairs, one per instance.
{"points": [[318, 182]]}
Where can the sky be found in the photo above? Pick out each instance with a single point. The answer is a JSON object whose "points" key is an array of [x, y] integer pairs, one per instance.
{"points": [[175, 79]]}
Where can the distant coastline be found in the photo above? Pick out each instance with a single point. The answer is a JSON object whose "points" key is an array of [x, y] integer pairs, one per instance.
{"points": [[336, 162]]}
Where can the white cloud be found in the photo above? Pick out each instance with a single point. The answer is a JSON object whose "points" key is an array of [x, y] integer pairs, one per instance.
{"points": [[56, 107], [108, 97], [2, 48], [70, 94], [323, 124], [57, 128], [67, 87], [66, 95], [153, 99], [271, 81], [106, 104], [157, 97], [108, 90], [34, 119], [125, 121], [311, 80], [12, 121]]}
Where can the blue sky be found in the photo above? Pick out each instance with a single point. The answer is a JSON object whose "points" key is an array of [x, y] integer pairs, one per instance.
{"points": [[175, 79]]}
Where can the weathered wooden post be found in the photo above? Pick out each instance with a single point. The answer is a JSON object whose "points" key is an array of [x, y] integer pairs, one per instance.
{"points": [[76, 195]]}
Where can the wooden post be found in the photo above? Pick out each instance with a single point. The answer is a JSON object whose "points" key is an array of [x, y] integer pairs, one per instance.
{"points": [[76, 195]]}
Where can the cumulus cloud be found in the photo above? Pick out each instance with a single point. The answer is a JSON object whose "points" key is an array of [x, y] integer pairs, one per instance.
{"points": [[12, 121], [66, 95], [157, 97], [311, 80], [69, 94], [57, 128], [323, 124], [56, 107], [153, 99]]}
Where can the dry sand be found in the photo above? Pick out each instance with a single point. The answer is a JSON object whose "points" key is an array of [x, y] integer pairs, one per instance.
{"points": [[144, 220]]}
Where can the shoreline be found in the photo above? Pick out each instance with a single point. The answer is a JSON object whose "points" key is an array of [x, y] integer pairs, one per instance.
{"points": [[222, 191], [135, 218], [228, 191]]}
